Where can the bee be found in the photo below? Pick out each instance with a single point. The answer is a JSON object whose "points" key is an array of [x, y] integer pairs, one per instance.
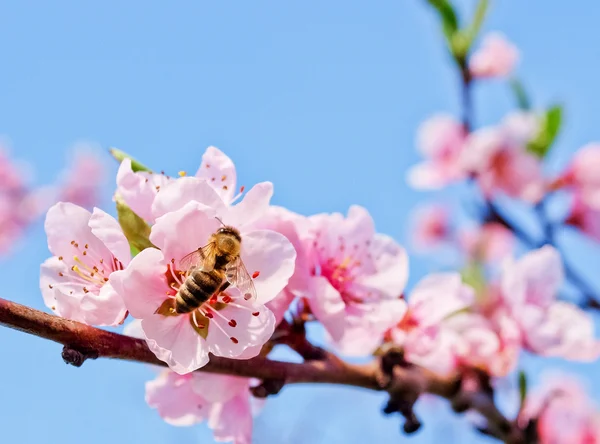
{"points": [[209, 270]]}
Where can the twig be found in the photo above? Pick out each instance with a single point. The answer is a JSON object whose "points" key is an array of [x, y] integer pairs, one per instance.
{"points": [[92, 342]]}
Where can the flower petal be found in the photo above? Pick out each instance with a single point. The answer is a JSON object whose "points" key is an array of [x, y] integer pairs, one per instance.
{"points": [[232, 421], [176, 195], [328, 307], [254, 325], [185, 230], [219, 171], [105, 308], [172, 395], [219, 388], [173, 340], [253, 206], [107, 229], [68, 231], [272, 256], [142, 285]]}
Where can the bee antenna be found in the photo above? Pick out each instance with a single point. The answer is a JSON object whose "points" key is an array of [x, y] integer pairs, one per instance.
{"points": [[216, 217]]}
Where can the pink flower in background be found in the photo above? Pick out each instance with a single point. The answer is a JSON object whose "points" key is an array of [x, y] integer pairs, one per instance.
{"points": [[421, 331], [441, 141], [584, 217], [501, 164], [227, 325], [82, 181], [489, 242], [496, 57], [224, 401], [582, 174], [357, 279], [563, 411], [549, 327], [139, 189], [19, 204], [89, 250], [431, 226]]}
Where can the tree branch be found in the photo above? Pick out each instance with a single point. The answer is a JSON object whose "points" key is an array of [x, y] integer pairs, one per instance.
{"points": [[83, 341]]}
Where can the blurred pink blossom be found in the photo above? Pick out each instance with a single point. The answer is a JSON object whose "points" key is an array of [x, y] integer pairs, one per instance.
{"points": [[223, 401], [496, 57], [82, 182], [549, 327], [489, 242], [563, 411], [501, 163], [583, 175], [357, 279], [441, 141], [584, 217], [431, 226]]}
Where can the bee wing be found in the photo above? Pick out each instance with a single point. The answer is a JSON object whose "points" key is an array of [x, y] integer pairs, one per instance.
{"points": [[239, 277], [203, 258]]}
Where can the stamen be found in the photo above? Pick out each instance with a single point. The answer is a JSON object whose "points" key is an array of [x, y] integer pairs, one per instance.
{"points": [[234, 340], [232, 322], [255, 274], [175, 277]]}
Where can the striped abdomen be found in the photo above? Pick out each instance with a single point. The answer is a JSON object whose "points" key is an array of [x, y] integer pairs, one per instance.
{"points": [[198, 287]]}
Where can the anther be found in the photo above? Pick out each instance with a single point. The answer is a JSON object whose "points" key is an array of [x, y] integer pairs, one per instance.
{"points": [[60, 258], [232, 322], [242, 188], [256, 313], [225, 187], [223, 177], [209, 315], [234, 340], [255, 274], [50, 286], [85, 290], [84, 253], [226, 299], [86, 246], [60, 273], [182, 174]]}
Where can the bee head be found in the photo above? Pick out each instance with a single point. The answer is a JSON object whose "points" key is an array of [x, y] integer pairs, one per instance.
{"points": [[228, 241]]}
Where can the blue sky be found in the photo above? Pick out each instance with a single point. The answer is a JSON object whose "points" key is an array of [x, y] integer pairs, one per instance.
{"points": [[321, 98]]}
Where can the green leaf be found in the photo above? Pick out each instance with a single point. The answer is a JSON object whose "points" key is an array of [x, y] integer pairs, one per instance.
{"points": [[463, 43], [520, 94], [474, 276], [549, 128], [136, 230], [522, 387], [448, 17], [135, 165]]}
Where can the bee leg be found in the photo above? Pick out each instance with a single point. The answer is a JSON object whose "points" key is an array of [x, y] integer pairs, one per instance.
{"points": [[224, 286]]}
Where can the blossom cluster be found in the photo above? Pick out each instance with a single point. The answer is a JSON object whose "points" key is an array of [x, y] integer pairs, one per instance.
{"points": [[336, 269]]}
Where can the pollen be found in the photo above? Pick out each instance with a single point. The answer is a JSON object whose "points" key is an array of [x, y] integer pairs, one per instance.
{"points": [[255, 274], [233, 323], [234, 340], [182, 174]]}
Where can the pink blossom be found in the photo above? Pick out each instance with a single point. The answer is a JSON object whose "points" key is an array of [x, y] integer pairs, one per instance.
{"points": [[420, 332], [82, 181], [549, 327], [227, 325], [224, 401], [584, 217], [496, 57], [88, 251], [502, 164], [431, 226], [583, 175], [564, 413], [489, 242], [441, 141], [356, 279], [139, 189], [19, 204]]}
